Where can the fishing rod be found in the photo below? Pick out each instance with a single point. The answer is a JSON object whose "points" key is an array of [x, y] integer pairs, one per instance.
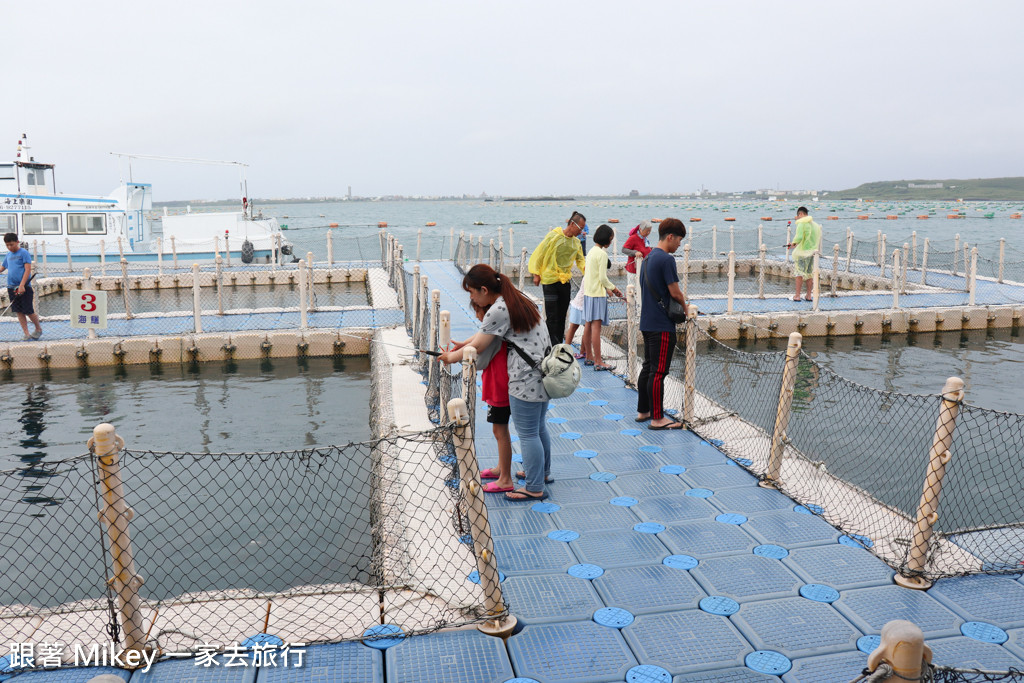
{"points": [[30, 279], [383, 343]]}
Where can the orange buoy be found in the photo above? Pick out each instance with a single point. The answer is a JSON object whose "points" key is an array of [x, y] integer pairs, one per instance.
{"points": [[863, 217], [695, 220], [431, 224], [1014, 215], [382, 224], [923, 217], [766, 218], [891, 217], [954, 215], [333, 225], [729, 219], [831, 218], [655, 220], [613, 220]]}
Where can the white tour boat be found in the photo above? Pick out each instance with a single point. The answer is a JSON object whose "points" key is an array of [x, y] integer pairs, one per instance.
{"points": [[123, 224]]}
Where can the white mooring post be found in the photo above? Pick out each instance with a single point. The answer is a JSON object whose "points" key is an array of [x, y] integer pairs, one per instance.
{"points": [[216, 246], [311, 278], [88, 287], [303, 315], [414, 314], [689, 385], [927, 511], [956, 253], [490, 252], [522, 269], [1003, 254], [330, 249], [106, 445], [731, 296], [904, 260], [789, 233], [882, 255], [902, 652], [714, 242], [196, 308], [686, 269], [773, 475], [760, 234], [913, 249], [45, 264], [967, 262], [174, 254], [762, 256], [220, 287], [501, 624], [501, 239], [835, 270], [227, 248], [896, 278], [126, 290], [511, 241], [103, 258], [433, 341], [469, 382], [924, 262], [849, 248], [972, 281]]}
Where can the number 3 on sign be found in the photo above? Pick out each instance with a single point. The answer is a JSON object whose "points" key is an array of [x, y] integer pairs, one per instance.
{"points": [[88, 309]]}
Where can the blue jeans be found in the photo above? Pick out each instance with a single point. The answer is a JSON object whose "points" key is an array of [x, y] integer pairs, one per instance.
{"points": [[530, 420]]}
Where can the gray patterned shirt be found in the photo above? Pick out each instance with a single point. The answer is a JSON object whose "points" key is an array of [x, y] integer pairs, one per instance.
{"points": [[524, 382]]}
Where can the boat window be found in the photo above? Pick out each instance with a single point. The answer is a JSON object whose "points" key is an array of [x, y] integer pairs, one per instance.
{"points": [[9, 224], [86, 224], [41, 224]]}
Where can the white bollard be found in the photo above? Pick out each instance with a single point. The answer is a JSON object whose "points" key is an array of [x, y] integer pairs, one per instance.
{"points": [[303, 317], [174, 254], [924, 263], [103, 258], [972, 281], [67, 248], [732, 282], [896, 278], [330, 249], [196, 308]]}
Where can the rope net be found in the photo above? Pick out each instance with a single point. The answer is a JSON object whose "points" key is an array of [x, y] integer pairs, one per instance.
{"points": [[314, 545]]}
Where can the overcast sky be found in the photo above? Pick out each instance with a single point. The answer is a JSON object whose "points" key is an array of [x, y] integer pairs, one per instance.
{"points": [[523, 97]]}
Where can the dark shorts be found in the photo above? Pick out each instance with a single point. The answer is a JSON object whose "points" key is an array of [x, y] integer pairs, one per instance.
{"points": [[23, 303], [499, 415]]}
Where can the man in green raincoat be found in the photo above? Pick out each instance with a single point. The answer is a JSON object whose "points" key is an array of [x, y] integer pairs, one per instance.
{"points": [[804, 244]]}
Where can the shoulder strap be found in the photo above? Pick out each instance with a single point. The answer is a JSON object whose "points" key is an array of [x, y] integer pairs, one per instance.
{"points": [[643, 276], [529, 361]]}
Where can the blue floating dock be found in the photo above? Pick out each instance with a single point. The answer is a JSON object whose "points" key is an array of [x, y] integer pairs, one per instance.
{"points": [[687, 641], [551, 598], [573, 652], [648, 589], [449, 657]]}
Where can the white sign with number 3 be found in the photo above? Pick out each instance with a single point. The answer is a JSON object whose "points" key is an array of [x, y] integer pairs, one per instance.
{"points": [[89, 309]]}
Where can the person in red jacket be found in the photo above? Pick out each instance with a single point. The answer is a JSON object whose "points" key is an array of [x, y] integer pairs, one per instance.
{"points": [[636, 244]]}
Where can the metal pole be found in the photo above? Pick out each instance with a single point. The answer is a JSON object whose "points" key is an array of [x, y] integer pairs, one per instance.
{"points": [[502, 624], [773, 475], [912, 574], [924, 262], [972, 281], [303, 315], [732, 282], [896, 278], [904, 652], [632, 324], [762, 255], [126, 290], [1002, 255], [220, 287], [106, 445], [88, 287], [330, 249], [196, 310], [689, 376]]}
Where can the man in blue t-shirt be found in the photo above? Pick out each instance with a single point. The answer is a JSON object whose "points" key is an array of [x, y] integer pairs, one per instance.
{"points": [[659, 279], [18, 264]]}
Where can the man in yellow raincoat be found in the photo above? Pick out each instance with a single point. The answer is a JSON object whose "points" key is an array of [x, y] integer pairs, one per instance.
{"points": [[551, 266], [804, 244]]}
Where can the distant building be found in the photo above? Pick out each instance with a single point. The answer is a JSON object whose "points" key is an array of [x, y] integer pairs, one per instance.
{"points": [[634, 193], [924, 186]]}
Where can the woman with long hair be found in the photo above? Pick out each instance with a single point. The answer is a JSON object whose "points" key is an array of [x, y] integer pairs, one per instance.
{"points": [[514, 318]]}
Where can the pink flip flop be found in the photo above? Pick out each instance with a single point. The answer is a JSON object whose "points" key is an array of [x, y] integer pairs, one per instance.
{"points": [[494, 488], [489, 473]]}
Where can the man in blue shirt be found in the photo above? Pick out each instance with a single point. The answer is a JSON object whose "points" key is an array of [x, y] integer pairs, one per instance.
{"points": [[18, 264], [658, 282]]}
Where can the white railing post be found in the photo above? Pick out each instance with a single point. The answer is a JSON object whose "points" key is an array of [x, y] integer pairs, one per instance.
{"points": [[760, 234], [511, 239], [912, 575], [220, 287], [216, 246], [762, 257], [686, 270], [882, 259], [311, 281], [126, 290], [714, 242], [849, 248], [444, 337], [902, 653], [816, 275], [159, 255], [45, 264], [419, 242], [689, 381], [330, 248], [120, 248], [227, 248], [631, 335], [196, 308], [896, 278], [730, 297], [414, 314], [973, 279], [924, 262], [835, 270], [303, 316], [106, 445], [966, 261], [490, 252], [522, 269], [789, 233], [1002, 256], [956, 253], [903, 268], [773, 474], [67, 248], [174, 253], [913, 249], [501, 240]]}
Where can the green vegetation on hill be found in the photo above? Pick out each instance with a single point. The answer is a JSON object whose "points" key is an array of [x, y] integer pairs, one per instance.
{"points": [[977, 188]]}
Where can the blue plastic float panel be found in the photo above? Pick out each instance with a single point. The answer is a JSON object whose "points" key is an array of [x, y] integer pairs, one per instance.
{"points": [[967, 653], [575, 652], [706, 538], [655, 588], [642, 486], [619, 549], [551, 598], [732, 675], [596, 425], [349, 662], [993, 599], [1016, 642], [796, 626], [751, 499], [600, 517], [532, 555], [717, 477], [178, 671], [872, 608], [519, 522], [838, 668], [449, 657], [697, 454], [83, 675], [575, 491], [674, 508], [687, 641], [626, 462], [840, 566], [570, 467], [746, 577], [792, 529]]}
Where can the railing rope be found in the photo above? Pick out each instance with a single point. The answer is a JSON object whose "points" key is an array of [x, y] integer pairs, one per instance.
{"points": [[773, 475], [106, 445], [927, 511]]}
